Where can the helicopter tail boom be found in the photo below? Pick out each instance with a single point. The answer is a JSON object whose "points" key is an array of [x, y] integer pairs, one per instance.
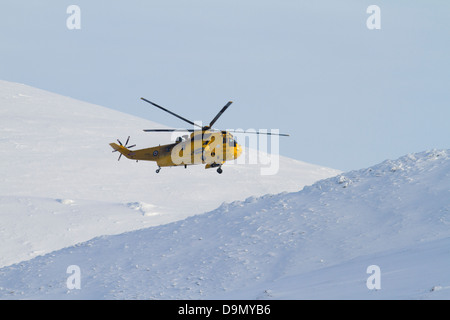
{"points": [[121, 149]]}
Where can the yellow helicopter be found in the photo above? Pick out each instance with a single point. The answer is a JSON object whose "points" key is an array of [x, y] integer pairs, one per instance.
{"points": [[205, 145]]}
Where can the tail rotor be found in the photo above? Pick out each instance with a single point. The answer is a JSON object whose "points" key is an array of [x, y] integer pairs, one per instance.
{"points": [[126, 146]]}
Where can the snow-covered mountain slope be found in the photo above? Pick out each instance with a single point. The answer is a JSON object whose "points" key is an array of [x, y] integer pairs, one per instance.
{"points": [[61, 185], [315, 243]]}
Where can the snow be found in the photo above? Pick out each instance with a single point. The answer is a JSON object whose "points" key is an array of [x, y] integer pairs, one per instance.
{"points": [[249, 237], [316, 243], [62, 185]]}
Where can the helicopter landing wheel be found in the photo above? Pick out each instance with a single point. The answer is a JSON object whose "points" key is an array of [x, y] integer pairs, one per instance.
{"points": [[219, 170]]}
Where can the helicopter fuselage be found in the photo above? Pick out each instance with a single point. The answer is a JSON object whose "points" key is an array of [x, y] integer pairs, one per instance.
{"points": [[202, 147]]}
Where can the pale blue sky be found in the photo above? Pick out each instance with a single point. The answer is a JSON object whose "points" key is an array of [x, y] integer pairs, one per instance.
{"points": [[350, 97]]}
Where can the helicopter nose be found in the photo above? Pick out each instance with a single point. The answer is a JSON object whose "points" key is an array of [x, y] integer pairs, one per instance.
{"points": [[237, 151]]}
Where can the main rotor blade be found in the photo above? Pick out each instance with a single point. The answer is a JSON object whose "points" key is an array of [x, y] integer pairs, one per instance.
{"points": [[220, 113], [169, 130], [172, 113], [257, 132]]}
